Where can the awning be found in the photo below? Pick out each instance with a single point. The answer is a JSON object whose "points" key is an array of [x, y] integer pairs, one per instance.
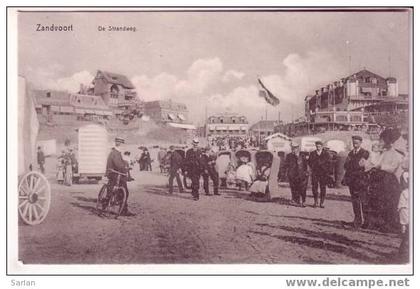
{"points": [[181, 125], [221, 127], [66, 109], [55, 108], [107, 112], [171, 116], [181, 116], [243, 128], [81, 111]]}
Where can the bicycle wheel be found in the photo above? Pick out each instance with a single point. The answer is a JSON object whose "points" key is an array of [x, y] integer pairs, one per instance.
{"points": [[116, 202], [101, 202]]}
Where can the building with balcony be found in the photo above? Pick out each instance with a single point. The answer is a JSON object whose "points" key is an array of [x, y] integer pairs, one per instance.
{"points": [[226, 124], [263, 128], [350, 101], [168, 112], [115, 89]]}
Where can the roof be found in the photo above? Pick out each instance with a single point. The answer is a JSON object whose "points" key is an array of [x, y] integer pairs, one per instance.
{"points": [[264, 125], [181, 125], [40, 97], [88, 101], [116, 78], [278, 135], [166, 104]]}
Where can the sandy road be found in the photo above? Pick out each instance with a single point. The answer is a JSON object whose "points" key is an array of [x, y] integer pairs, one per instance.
{"points": [[231, 228]]}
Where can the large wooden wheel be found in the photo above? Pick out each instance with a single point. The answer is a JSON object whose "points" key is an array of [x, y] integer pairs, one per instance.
{"points": [[34, 198]]}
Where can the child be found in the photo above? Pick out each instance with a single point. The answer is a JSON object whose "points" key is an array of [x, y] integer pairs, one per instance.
{"points": [[244, 174], [230, 174], [127, 159], [260, 186], [60, 170]]}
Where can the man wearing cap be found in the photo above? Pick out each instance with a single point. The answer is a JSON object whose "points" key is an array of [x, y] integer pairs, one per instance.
{"points": [[319, 161], [175, 166], [355, 178], [116, 162], [194, 168], [208, 163], [296, 167]]}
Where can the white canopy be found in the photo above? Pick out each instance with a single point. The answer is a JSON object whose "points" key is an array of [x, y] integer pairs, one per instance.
{"points": [[182, 125], [278, 135]]}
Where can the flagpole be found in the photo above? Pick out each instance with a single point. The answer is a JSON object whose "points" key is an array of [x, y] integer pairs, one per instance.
{"points": [[266, 111]]}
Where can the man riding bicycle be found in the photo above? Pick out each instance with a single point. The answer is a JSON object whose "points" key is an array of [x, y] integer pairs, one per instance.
{"points": [[117, 165]]}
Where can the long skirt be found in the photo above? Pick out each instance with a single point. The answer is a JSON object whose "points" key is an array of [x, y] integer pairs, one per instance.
{"points": [[383, 196], [68, 176], [60, 175]]}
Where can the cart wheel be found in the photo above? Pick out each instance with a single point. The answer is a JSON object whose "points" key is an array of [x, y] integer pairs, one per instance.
{"points": [[34, 198]]}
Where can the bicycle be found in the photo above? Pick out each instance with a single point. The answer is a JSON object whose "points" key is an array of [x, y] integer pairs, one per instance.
{"points": [[115, 201]]}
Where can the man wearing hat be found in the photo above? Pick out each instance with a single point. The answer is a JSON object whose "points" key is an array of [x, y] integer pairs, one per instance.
{"points": [[116, 162], [296, 167], [355, 178], [175, 166], [208, 163], [194, 168], [319, 161]]}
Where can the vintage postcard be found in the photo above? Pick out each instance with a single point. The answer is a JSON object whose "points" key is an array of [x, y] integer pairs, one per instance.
{"points": [[149, 138]]}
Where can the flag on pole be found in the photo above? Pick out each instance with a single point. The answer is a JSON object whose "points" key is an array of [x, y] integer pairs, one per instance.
{"points": [[268, 96]]}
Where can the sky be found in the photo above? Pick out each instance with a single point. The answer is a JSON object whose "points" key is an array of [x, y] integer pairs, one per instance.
{"points": [[213, 59]]}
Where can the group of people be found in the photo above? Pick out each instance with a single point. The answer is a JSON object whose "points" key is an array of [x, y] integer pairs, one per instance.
{"points": [[230, 142], [67, 166], [377, 179], [198, 163], [144, 160], [377, 185], [297, 165]]}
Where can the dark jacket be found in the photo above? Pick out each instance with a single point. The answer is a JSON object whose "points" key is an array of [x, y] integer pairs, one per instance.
{"points": [[320, 164], [175, 161], [355, 174], [145, 156], [115, 162], [193, 162], [208, 163], [40, 157], [296, 166]]}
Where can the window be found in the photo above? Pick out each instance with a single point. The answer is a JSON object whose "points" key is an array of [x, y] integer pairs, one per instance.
{"points": [[48, 94]]}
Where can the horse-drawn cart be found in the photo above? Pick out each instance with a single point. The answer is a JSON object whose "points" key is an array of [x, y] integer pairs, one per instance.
{"points": [[34, 192]]}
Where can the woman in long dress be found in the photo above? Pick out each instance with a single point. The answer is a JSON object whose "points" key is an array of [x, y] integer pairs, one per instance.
{"points": [[384, 188], [68, 170], [260, 186], [245, 174]]}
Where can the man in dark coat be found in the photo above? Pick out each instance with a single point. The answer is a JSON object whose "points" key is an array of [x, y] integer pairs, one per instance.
{"points": [[296, 167], [115, 163], [175, 166], [41, 159], [208, 163], [355, 178], [145, 160], [194, 168], [319, 161]]}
